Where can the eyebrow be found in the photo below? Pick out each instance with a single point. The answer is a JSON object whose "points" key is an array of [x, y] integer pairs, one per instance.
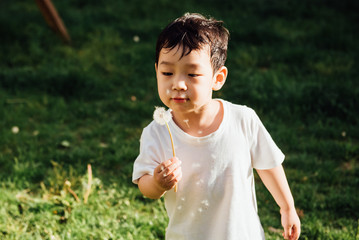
{"points": [[165, 63], [189, 65]]}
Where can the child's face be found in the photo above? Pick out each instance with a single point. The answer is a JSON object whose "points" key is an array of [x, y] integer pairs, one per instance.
{"points": [[186, 84]]}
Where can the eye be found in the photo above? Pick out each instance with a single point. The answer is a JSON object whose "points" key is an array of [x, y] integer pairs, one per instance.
{"points": [[167, 73], [194, 75]]}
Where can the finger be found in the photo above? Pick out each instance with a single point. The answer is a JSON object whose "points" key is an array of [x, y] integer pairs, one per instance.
{"points": [[287, 232], [172, 172], [176, 175], [170, 168], [294, 234], [162, 166], [176, 178]]}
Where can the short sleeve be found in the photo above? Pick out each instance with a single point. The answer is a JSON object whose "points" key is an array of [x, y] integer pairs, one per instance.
{"points": [[265, 154], [148, 158]]}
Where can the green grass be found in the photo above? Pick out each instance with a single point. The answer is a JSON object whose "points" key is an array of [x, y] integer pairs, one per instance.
{"points": [[295, 63]]}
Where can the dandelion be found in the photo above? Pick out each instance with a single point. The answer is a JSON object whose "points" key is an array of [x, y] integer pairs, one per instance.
{"points": [[162, 117], [65, 144], [136, 38], [15, 129], [344, 134], [103, 145], [67, 185]]}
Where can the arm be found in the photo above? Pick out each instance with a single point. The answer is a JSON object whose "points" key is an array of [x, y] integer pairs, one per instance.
{"points": [[165, 177], [276, 182]]}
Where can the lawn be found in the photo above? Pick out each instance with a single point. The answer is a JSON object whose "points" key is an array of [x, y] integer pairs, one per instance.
{"points": [[63, 107]]}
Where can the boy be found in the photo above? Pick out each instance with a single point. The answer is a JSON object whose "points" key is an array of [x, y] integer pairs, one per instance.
{"points": [[217, 144]]}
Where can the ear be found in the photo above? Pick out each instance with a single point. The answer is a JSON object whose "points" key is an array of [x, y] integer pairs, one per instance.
{"points": [[220, 78]]}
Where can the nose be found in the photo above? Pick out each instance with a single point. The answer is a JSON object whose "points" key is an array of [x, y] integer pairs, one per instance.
{"points": [[179, 84]]}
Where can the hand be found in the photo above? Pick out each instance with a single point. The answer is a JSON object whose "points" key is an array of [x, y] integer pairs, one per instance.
{"points": [[291, 224], [168, 173]]}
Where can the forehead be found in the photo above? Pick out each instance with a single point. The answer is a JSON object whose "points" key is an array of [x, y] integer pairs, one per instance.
{"points": [[178, 54]]}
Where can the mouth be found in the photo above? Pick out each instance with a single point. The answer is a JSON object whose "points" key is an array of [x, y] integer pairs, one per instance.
{"points": [[180, 99]]}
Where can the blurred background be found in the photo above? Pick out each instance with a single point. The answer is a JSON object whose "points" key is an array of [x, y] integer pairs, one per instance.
{"points": [[64, 106]]}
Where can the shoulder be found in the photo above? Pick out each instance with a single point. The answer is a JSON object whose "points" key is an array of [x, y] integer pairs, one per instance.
{"points": [[238, 111], [153, 132], [151, 129]]}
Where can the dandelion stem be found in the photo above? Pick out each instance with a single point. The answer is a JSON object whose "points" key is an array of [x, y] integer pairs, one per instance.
{"points": [[173, 148], [89, 183], [73, 194]]}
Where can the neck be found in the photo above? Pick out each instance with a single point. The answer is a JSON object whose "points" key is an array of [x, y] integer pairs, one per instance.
{"points": [[202, 122]]}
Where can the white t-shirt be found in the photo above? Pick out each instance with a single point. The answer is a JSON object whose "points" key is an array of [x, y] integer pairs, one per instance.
{"points": [[216, 196]]}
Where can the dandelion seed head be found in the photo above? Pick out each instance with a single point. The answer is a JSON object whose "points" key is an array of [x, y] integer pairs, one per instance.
{"points": [[67, 183], [205, 203], [161, 116], [103, 145], [186, 122], [199, 182], [15, 129], [136, 38]]}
